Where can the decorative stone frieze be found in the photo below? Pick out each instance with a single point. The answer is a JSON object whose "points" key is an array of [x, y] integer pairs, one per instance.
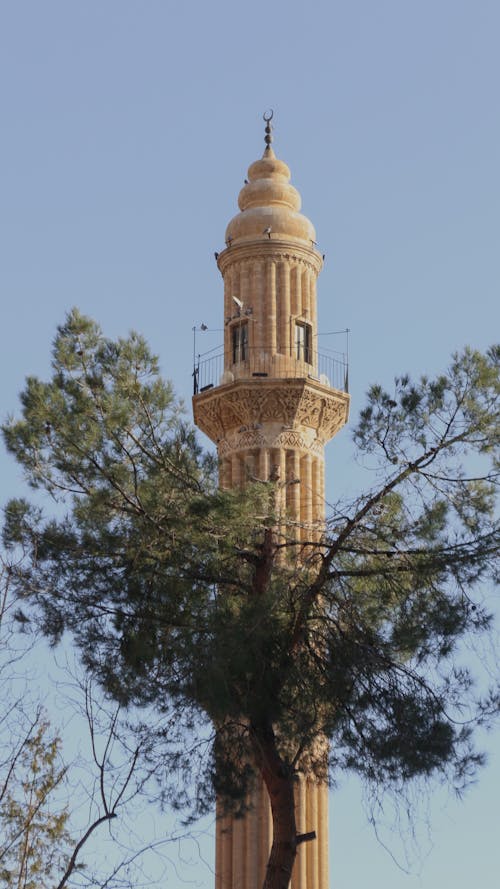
{"points": [[289, 440], [246, 407], [282, 251], [241, 442]]}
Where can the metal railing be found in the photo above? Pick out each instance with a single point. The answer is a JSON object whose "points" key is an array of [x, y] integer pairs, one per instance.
{"points": [[257, 364]]}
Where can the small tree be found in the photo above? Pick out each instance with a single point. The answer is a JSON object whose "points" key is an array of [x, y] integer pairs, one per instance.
{"points": [[49, 811], [203, 602], [34, 828], [33, 820]]}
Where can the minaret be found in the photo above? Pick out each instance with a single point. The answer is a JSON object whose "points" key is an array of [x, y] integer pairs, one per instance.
{"points": [[270, 404]]}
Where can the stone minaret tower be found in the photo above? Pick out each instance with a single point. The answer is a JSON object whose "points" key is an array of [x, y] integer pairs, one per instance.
{"points": [[270, 404]]}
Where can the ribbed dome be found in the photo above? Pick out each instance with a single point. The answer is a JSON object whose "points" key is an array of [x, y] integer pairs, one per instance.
{"points": [[268, 201]]}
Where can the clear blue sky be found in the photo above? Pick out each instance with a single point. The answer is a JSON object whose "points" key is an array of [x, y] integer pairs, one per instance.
{"points": [[127, 131]]}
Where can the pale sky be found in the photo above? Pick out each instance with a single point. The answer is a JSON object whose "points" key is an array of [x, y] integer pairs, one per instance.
{"points": [[128, 127]]}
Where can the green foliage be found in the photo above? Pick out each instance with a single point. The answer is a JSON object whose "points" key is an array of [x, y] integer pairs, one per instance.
{"points": [[35, 843], [201, 602]]}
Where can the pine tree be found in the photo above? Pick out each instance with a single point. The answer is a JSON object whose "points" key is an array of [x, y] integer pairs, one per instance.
{"points": [[203, 602]]}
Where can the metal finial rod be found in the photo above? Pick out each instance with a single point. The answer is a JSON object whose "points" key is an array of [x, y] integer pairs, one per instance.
{"points": [[268, 116]]}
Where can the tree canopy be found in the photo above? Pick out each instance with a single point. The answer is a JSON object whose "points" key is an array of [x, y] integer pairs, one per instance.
{"points": [[202, 602]]}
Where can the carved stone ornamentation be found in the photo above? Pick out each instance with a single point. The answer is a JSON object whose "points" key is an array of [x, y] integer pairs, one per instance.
{"points": [[289, 440], [291, 253], [292, 440], [297, 403], [241, 442]]}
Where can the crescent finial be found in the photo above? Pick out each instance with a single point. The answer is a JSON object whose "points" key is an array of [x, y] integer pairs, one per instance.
{"points": [[268, 116]]}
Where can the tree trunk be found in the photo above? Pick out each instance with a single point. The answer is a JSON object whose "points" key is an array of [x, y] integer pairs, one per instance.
{"points": [[279, 780]]}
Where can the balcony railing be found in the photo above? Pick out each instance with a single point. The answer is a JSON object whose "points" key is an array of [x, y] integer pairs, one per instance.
{"points": [[209, 372]]}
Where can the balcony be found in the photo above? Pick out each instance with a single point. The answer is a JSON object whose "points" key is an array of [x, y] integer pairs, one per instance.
{"points": [[329, 370]]}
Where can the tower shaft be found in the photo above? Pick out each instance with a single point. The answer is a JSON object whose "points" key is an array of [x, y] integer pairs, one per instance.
{"points": [[270, 410]]}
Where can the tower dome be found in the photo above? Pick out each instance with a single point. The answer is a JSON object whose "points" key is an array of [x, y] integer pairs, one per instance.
{"points": [[269, 204]]}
